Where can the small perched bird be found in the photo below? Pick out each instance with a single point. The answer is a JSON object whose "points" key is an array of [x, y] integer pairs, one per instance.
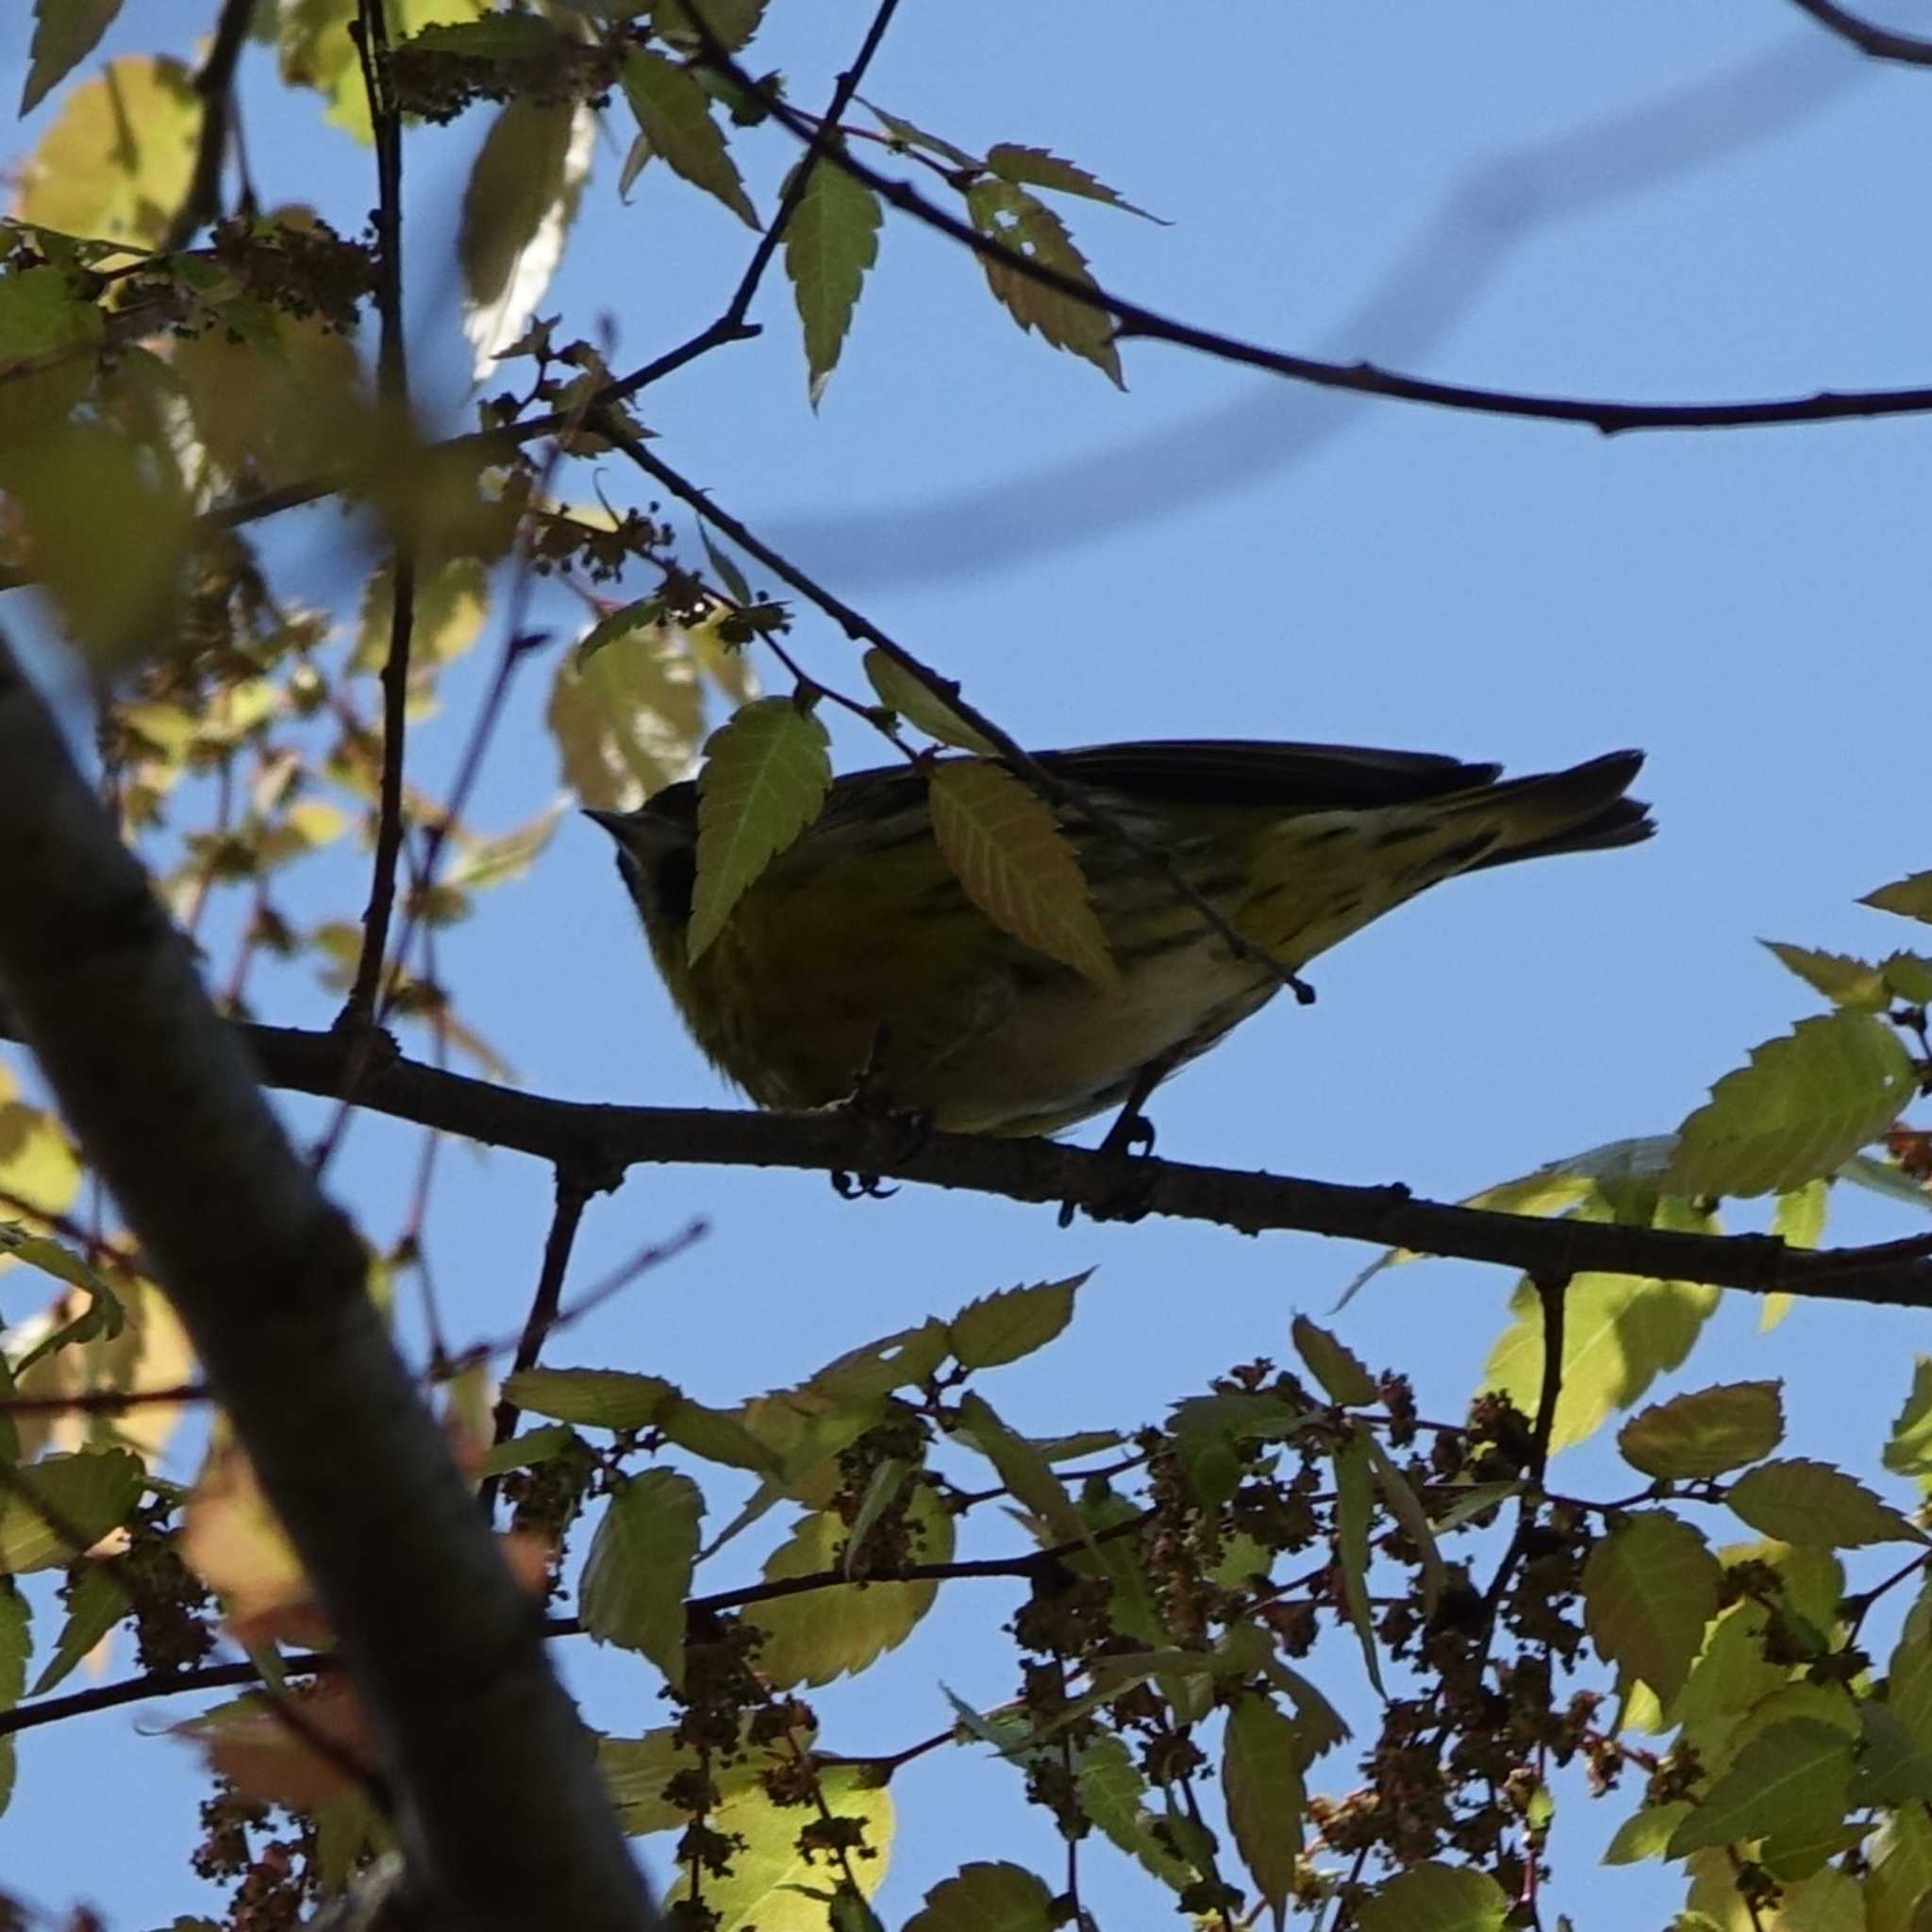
{"points": [[858, 956]]}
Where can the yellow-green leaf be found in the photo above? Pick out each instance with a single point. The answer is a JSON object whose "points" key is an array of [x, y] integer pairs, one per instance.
{"points": [[1790, 1776], [1022, 1469], [1799, 1501], [1798, 1221], [594, 1398], [922, 707], [832, 238], [1353, 1501], [1911, 896], [1844, 980], [16, 1645], [1113, 1794], [1261, 1781], [1649, 1589], [674, 114], [1001, 840], [626, 718], [1003, 1327], [1334, 1365], [1024, 226], [732, 21], [1805, 1104], [639, 1570], [1434, 1897], [42, 322], [1908, 1449], [1035, 167], [42, 1503], [1644, 1834], [987, 1897], [766, 773], [1706, 1432]]}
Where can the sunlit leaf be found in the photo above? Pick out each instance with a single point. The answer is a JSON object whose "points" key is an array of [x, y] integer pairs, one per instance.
{"points": [[1015, 1322], [1800, 1501], [16, 1645], [1844, 980], [1433, 1898], [1790, 1776], [1261, 1781], [94, 1605], [626, 719], [638, 1573], [1908, 1449], [54, 1510], [1649, 1589], [987, 1897], [1644, 1834], [922, 707], [1911, 896], [1024, 226], [1706, 1432], [673, 113], [1035, 167], [830, 242]]}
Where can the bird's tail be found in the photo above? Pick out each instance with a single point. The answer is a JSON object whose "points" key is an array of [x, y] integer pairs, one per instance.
{"points": [[1583, 810]]}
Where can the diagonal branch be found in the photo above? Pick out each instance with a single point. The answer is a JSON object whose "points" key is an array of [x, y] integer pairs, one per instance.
{"points": [[503, 1818], [1879, 41], [835, 1141]]}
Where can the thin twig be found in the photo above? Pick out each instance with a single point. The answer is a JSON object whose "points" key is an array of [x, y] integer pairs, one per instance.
{"points": [[574, 1191], [215, 84]]}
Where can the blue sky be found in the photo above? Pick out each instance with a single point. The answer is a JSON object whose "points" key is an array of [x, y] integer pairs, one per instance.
{"points": [[1647, 202]]}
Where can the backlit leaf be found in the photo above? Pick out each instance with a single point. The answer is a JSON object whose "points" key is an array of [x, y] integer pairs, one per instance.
{"points": [[987, 1897], [1704, 1432], [1799, 1501], [1036, 168], [831, 241], [1022, 1468], [1805, 1104], [594, 1398], [1261, 1781], [1003, 1327], [1434, 1897], [899, 690], [16, 1645], [732, 21], [1112, 1792], [626, 718], [639, 1570], [1908, 1449], [1911, 896], [1024, 226], [766, 773], [1004, 844], [1353, 1506], [1789, 1777], [673, 113], [1649, 1589], [53, 1509], [1798, 1221], [1844, 980], [1334, 1365], [1644, 1834], [94, 1605]]}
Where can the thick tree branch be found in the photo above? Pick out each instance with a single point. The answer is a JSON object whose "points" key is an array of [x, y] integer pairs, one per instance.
{"points": [[503, 1816], [1046, 1170], [1879, 41]]}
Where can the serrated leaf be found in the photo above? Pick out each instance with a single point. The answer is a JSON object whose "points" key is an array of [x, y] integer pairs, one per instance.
{"points": [[1035, 167], [518, 204], [1472, 1501], [1788, 1778], [1844, 980], [907, 135], [495, 36], [1353, 1503], [673, 113], [85, 1494], [1009, 852], [1908, 1449], [899, 690], [1649, 1589], [1705, 1432], [1644, 1834], [1112, 1794], [65, 33], [636, 1770], [1805, 1105], [818, 1634], [527, 1449], [1406, 1509], [1434, 1897], [1620, 1333], [1261, 1781], [94, 1605], [592, 1398], [1022, 1469], [767, 770], [731, 22], [831, 241], [1024, 226], [1013, 1322], [639, 1570], [1800, 1501], [1334, 1365], [1910, 976], [16, 1645], [1911, 896], [775, 1887], [987, 1897]]}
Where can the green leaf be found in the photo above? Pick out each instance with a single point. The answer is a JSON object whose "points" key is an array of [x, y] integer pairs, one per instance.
{"points": [[822, 1634], [1790, 1776], [639, 1570], [1035, 167], [1434, 1897], [1911, 896], [1798, 1221], [1406, 1509], [904, 1360], [832, 238], [1806, 1104], [85, 1494], [627, 717], [1909, 1674], [1894, 1768], [1352, 1504], [1261, 1781], [1799, 1501], [527, 1449], [1620, 1333], [1908, 1449], [907, 135], [1025, 226], [1009, 852], [1649, 1589], [1901, 1872], [1844, 980], [1706, 1432], [922, 707], [775, 1887], [16, 1644], [1112, 1794], [43, 321], [94, 1605], [452, 600], [636, 1770], [675, 115], [732, 21], [592, 1398], [987, 1897], [1644, 1834], [497, 37], [1335, 1366], [1006, 1326], [767, 770], [65, 33], [1027, 1474], [1910, 976]]}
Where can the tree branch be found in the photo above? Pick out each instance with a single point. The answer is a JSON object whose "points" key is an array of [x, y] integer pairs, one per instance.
{"points": [[1879, 41], [503, 1816], [1048, 1171]]}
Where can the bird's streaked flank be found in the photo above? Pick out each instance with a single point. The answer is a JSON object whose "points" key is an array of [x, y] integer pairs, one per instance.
{"points": [[858, 955]]}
